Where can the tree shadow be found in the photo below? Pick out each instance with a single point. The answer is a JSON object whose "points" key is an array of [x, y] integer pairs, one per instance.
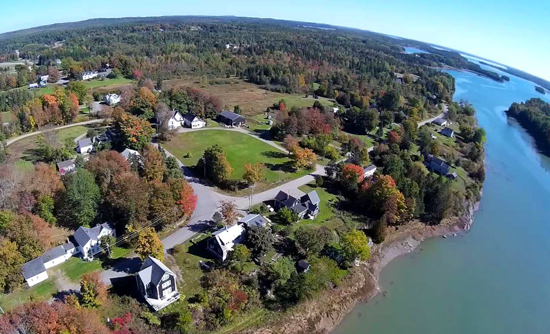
{"points": [[123, 265], [200, 249], [274, 154], [125, 286], [284, 167]]}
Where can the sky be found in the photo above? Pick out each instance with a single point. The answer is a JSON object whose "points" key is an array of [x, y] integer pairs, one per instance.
{"points": [[510, 32]]}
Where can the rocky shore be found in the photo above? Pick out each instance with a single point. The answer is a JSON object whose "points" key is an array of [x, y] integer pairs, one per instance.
{"points": [[322, 314]]}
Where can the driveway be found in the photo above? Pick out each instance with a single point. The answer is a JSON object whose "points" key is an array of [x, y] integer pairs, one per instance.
{"points": [[30, 134]]}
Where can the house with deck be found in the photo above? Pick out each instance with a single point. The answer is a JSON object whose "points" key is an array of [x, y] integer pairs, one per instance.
{"points": [[157, 284]]}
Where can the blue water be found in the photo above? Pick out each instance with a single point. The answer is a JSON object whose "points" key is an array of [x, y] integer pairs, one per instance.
{"points": [[495, 279], [411, 50]]}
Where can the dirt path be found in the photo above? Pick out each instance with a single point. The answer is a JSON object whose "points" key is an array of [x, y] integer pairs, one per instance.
{"points": [[26, 135]]}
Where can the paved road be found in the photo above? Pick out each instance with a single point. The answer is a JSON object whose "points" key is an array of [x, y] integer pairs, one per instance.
{"points": [[30, 134], [429, 120]]}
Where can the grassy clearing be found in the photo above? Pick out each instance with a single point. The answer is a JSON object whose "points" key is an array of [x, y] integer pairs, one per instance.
{"points": [[74, 268], [107, 82], [187, 257], [41, 291], [240, 149], [326, 211]]}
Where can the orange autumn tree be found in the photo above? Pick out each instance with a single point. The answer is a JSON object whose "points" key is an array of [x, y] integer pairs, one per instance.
{"points": [[383, 198], [188, 199], [303, 158], [137, 132], [352, 172]]}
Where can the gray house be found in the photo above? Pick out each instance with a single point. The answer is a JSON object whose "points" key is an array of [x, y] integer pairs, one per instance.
{"points": [[157, 284], [448, 132], [437, 165], [65, 167], [306, 205], [231, 119]]}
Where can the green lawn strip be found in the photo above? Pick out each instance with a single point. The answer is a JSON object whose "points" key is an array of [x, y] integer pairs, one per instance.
{"points": [[212, 123], [244, 321], [187, 257], [300, 101], [239, 148], [24, 165], [41, 291], [74, 268], [107, 82]]}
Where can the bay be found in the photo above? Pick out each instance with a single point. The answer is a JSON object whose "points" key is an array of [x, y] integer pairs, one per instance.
{"points": [[494, 279]]}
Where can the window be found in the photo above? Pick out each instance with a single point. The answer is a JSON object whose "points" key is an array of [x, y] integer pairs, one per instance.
{"points": [[166, 284]]}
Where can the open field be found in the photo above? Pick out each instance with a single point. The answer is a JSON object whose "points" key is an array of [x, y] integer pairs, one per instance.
{"points": [[250, 97], [92, 85], [240, 149]]}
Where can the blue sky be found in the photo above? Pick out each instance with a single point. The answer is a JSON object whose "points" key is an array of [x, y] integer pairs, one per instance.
{"points": [[510, 32]]}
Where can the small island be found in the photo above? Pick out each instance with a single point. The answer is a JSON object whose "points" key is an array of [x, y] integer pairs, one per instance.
{"points": [[540, 90]]}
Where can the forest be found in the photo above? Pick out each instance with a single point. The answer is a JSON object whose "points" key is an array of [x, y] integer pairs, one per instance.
{"points": [[534, 116]]}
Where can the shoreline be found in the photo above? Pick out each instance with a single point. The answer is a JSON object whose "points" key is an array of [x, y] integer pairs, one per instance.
{"points": [[322, 314]]}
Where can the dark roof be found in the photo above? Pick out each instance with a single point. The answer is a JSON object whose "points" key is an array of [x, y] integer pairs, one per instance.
{"points": [[84, 142], [281, 196], [311, 197], [33, 268], [447, 132], [53, 253], [437, 165], [303, 265], [189, 117], [230, 115], [439, 121], [152, 271], [65, 164], [298, 208], [81, 235], [68, 246]]}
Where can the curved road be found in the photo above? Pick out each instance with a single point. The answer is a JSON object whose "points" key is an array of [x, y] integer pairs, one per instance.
{"points": [[30, 134]]}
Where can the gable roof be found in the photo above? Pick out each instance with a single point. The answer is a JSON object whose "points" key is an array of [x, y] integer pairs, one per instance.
{"points": [[84, 142], [369, 168], [65, 164], [85, 234], [253, 220], [312, 197], [152, 270], [129, 152], [230, 115], [53, 254], [440, 121], [447, 132], [228, 235], [33, 268], [190, 117]]}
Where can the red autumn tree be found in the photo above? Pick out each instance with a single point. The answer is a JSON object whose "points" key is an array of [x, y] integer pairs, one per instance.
{"points": [[317, 122], [352, 172], [105, 165], [188, 199], [394, 137], [290, 142]]}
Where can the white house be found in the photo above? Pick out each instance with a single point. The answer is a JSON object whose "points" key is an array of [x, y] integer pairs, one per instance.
{"points": [[157, 284], [112, 99], [85, 146], [33, 85], [175, 121], [44, 78], [128, 153], [223, 241], [193, 122], [369, 171], [65, 167], [88, 75], [335, 110], [88, 239], [35, 272], [441, 122]]}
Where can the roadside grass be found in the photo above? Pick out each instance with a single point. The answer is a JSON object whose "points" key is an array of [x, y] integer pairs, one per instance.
{"points": [[240, 149]]}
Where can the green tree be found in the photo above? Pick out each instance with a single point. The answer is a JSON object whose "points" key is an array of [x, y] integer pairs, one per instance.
{"points": [[281, 271], [355, 246], [107, 244], [216, 165], [370, 120], [11, 261], [311, 240], [240, 255], [287, 216], [260, 239], [92, 290], [391, 100], [78, 88], [44, 208], [149, 244], [81, 198]]}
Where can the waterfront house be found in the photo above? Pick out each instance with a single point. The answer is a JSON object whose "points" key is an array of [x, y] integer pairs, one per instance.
{"points": [[157, 284], [193, 122], [448, 132], [231, 119], [306, 205], [436, 165]]}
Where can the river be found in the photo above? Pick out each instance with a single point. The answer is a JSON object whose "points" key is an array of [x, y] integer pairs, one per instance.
{"points": [[496, 278]]}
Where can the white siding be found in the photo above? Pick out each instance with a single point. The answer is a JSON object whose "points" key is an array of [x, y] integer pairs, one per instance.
{"points": [[37, 279]]}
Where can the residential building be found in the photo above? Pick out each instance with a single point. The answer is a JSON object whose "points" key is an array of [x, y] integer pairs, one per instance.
{"points": [[193, 122], [87, 240], [33, 85], [84, 146], [65, 167], [369, 171], [175, 121], [335, 110], [253, 220], [128, 153], [303, 266], [307, 205], [448, 132], [436, 165], [223, 240], [88, 75], [35, 271], [157, 284], [441, 122], [111, 99], [44, 78], [231, 119]]}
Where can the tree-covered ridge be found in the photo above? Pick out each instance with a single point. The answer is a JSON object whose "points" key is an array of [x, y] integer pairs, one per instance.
{"points": [[534, 116]]}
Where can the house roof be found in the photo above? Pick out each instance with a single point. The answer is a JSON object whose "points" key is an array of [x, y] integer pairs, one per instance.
{"points": [[447, 132], [85, 234], [298, 208], [369, 168], [253, 220], [33, 268], [190, 117], [53, 254], [65, 164], [228, 235], [303, 264], [440, 121], [230, 115], [312, 197], [68, 246], [128, 152], [152, 270], [85, 142]]}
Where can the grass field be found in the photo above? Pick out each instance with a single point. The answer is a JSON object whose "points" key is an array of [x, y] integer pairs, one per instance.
{"points": [[187, 257], [41, 291], [92, 84], [252, 99], [326, 211], [240, 149]]}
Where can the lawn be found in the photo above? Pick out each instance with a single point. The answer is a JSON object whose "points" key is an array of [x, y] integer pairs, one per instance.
{"points": [[41, 291], [326, 212], [240, 149], [107, 82], [187, 257], [300, 101]]}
